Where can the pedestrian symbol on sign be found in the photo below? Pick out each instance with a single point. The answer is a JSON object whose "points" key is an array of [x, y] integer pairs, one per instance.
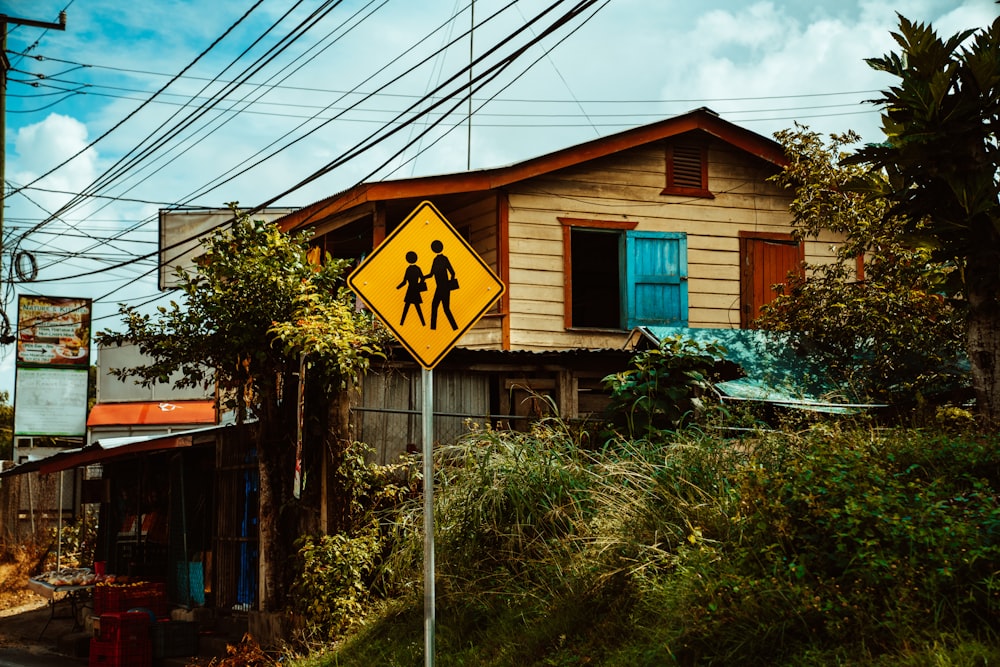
{"points": [[402, 257]]}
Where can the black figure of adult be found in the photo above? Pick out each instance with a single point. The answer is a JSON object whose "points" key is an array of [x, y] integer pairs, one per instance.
{"points": [[444, 283], [414, 281]]}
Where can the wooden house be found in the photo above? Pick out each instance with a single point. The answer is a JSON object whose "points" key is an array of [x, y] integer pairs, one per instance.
{"points": [[669, 224]]}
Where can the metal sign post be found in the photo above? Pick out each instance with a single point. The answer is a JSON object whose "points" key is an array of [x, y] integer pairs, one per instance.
{"points": [[425, 247], [427, 417]]}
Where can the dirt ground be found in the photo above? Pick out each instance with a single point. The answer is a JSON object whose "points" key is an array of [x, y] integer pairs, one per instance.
{"points": [[23, 613]]}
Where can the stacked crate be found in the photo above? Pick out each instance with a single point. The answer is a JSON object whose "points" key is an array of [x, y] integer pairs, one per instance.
{"points": [[122, 641], [112, 598]]}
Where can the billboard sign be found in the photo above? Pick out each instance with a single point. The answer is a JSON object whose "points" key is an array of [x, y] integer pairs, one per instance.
{"points": [[53, 331]]}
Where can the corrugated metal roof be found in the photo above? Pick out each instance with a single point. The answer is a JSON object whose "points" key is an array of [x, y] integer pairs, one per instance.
{"points": [[775, 372]]}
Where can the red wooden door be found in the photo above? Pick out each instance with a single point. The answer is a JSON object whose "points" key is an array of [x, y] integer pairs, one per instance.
{"points": [[766, 259]]}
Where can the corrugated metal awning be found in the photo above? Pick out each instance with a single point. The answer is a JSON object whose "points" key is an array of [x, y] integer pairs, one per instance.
{"points": [[775, 372], [110, 449]]}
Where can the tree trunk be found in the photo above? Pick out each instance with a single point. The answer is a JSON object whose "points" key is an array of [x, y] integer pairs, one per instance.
{"points": [[268, 526], [277, 525], [338, 495], [983, 291]]}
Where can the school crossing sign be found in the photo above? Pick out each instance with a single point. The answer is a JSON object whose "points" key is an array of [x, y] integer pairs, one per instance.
{"points": [[427, 284]]}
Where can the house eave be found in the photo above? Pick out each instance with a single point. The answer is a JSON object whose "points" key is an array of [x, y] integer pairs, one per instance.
{"points": [[701, 119]]}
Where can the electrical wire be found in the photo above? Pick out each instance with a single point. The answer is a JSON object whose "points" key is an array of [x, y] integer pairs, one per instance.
{"points": [[152, 254], [508, 5], [142, 106], [519, 100], [485, 76]]}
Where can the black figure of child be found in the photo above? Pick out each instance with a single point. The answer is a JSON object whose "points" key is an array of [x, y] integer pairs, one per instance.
{"points": [[415, 284], [444, 282]]}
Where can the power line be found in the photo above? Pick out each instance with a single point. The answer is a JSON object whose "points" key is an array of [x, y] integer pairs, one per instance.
{"points": [[135, 111], [482, 79], [493, 114], [521, 100]]}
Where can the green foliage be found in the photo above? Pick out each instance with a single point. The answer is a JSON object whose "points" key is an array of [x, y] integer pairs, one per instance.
{"points": [[832, 545], [6, 427], [937, 169], [890, 336], [79, 538], [505, 508], [664, 388], [940, 153], [872, 536], [331, 590], [254, 304], [337, 574]]}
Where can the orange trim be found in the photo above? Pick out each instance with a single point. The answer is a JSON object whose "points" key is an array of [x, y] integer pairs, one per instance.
{"points": [[152, 412], [567, 276], [860, 269], [488, 179], [603, 224], [503, 265]]}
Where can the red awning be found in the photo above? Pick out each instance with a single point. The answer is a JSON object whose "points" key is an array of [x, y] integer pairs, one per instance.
{"points": [[152, 413]]}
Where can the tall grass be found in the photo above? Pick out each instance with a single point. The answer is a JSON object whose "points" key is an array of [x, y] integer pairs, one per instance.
{"points": [[836, 544]]}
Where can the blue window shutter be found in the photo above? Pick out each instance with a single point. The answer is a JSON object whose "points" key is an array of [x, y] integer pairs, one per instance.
{"points": [[655, 279]]}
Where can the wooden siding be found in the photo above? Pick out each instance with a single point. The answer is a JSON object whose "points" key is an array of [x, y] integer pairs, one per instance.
{"points": [[387, 413], [628, 187]]}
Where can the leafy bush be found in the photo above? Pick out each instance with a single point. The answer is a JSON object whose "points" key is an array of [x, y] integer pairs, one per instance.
{"points": [[337, 574], [881, 537], [332, 587], [664, 387], [836, 544], [887, 332]]}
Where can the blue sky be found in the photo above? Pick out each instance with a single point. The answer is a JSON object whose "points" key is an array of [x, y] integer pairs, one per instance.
{"points": [[764, 65]]}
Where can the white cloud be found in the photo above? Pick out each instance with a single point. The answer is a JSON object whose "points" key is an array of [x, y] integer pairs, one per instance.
{"points": [[42, 146]]}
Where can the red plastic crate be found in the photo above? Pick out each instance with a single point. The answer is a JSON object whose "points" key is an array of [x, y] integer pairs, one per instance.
{"points": [[124, 627], [112, 598], [119, 654]]}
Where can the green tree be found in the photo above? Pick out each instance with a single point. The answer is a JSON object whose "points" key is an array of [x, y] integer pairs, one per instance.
{"points": [[940, 161], [253, 305], [6, 427], [887, 333]]}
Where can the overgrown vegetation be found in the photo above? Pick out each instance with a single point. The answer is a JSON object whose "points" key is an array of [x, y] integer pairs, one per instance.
{"points": [[884, 331], [255, 309], [665, 387], [840, 543], [335, 573]]}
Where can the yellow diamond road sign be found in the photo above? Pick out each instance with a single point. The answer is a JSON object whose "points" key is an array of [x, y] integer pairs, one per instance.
{"points": [[427, 284]]}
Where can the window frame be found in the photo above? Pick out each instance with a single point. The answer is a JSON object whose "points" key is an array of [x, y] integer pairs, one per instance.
{"points": [[626, 237], [671, 155]]}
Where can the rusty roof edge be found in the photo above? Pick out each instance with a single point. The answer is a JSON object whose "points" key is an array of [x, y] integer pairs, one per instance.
{"points": [[702, 118]]}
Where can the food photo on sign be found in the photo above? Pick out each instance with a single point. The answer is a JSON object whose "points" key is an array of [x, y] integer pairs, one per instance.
{"points": [[53, 330]]}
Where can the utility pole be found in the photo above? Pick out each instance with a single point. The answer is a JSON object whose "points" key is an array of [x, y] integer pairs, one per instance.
{"points": [[5, 20]]}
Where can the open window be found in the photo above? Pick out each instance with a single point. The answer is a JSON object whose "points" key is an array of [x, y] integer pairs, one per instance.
{"points": [[619, 278]]}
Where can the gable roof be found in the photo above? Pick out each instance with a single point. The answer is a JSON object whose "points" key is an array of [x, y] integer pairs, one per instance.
{"points": [[702, 119]]}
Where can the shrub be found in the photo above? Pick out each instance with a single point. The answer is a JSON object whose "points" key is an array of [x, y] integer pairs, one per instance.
{"points": [[332, 587], [664, 388], [882, 537]]}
